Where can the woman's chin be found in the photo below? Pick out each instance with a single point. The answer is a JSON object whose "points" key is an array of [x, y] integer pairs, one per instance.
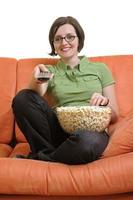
{"points": [[65, 55]]}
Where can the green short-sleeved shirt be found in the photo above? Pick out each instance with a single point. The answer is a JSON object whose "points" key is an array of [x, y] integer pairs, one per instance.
{"points": [[74, 87]]}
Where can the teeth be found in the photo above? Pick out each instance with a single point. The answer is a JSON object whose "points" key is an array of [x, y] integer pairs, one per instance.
{"points": [[65, 49]]}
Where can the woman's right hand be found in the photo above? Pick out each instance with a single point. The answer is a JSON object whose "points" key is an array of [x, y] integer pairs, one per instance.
{"points": [[40, 86], [41, 68]]}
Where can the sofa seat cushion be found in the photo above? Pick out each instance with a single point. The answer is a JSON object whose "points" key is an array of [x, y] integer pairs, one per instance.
{"points": [[20, 148], [5, 150], [55, 179], [121, 141]]}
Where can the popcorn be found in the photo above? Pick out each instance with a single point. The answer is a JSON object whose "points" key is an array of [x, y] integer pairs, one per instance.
{"points": [[91, 118]]}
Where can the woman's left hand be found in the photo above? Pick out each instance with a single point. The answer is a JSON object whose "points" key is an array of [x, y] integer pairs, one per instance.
{"points": [[98, 99]]}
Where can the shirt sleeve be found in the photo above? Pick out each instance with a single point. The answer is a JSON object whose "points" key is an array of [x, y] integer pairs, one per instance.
{"points": [[105, 75]]}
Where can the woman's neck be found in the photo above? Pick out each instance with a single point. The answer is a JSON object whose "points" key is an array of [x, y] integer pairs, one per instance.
{"points": [[71, 62]]}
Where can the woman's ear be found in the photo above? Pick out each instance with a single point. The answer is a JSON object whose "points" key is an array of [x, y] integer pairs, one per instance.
{"points": [[55, 52]]}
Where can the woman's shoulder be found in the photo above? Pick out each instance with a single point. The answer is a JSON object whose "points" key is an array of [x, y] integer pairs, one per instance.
{"points": [[98, 65], [86, 62]]}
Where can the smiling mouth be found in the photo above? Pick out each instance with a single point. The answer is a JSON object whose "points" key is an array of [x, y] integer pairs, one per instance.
{"points": [[65, 49]]}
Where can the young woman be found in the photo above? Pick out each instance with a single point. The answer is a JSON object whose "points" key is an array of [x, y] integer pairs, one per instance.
{"points": [[73, 81]]}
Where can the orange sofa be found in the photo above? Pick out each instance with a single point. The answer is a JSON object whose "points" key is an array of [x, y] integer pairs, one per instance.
{"points": [[109, 178]]}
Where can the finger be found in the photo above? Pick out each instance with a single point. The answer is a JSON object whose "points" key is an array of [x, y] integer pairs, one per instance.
{"points": [[95, 101], [43, 67], [105, 102], [36, 71], [99, 101], [52, 75]]}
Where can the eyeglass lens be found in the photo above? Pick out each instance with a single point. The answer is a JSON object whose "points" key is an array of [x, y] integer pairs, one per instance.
{"points": [[68, 38]]}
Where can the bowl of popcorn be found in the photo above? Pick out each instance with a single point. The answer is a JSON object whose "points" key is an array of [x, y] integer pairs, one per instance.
{"points": [[91, 118]]}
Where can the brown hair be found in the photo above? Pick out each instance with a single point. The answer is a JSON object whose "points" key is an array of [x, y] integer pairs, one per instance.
{"points": [[66, 20]]}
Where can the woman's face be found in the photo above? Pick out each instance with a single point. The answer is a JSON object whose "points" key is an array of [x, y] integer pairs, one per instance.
{"points": [[66, 42]]}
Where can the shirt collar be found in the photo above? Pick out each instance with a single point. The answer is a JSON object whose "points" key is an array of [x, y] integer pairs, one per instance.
{"points": [[83, 61]]}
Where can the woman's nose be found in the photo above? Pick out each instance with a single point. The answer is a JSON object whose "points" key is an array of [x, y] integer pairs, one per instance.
{"points": [[63, 41]]}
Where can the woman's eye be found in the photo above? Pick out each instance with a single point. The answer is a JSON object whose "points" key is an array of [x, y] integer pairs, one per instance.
{"points": [[70, 37], [57, 39]]}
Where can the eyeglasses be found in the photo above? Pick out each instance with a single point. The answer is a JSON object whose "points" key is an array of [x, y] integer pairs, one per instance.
{"points": [[68, 38]]}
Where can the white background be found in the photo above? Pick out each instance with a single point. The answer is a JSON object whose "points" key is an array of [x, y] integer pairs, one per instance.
{"points": [[24, 26]]}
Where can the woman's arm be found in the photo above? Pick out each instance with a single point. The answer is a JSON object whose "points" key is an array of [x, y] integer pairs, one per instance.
{"points": [[107, 98], [109, 92], [39, 86]]}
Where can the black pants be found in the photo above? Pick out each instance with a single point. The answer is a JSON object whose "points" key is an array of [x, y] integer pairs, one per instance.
{"points": [[47, 140]]}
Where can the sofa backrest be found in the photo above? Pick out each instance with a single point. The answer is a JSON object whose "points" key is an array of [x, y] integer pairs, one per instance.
{"points": [[8, 68], [121, 67]]}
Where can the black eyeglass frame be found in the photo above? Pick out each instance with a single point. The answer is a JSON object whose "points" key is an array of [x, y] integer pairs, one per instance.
{"points": [[60, 39]]}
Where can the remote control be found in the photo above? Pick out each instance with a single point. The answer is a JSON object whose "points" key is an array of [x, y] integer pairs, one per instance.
{"points": [[44, 76]]}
